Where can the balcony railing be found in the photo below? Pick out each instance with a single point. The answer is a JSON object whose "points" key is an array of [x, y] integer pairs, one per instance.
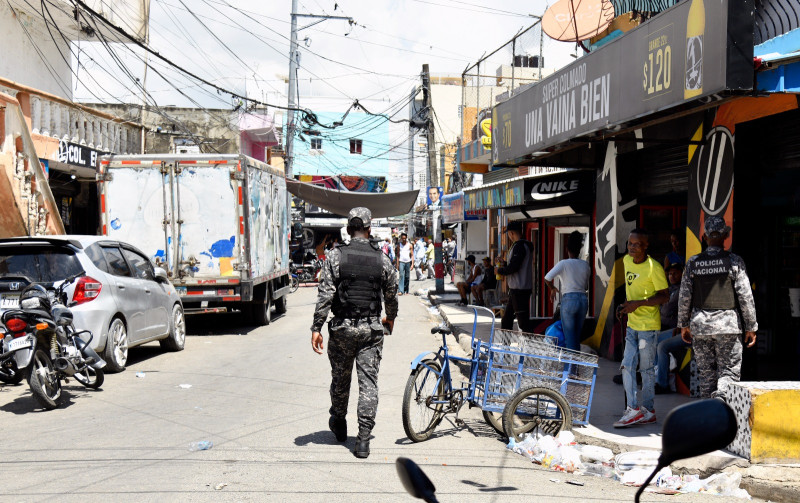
{"points": [[55, 117]]}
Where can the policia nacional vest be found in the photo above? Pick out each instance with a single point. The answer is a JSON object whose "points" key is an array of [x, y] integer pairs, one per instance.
{"points": [[712, 283], [359, 287]]}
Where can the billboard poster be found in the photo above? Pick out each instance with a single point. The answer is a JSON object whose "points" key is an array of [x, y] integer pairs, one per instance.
{"points": [[434, 199]]}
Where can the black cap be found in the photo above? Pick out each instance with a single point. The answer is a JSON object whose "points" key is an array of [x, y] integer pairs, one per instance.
{"points": [[516, 225]]}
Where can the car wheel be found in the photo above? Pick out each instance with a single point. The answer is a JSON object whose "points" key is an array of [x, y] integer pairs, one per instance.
{"points": [[116, 352], [176, 339]]}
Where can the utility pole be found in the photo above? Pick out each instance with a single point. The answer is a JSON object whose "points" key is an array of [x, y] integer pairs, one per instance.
{"points": [[294, 59], [433, 178]]}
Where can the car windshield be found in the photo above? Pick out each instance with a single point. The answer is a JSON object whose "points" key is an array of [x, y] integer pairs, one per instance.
{"points": [[42, 264]]}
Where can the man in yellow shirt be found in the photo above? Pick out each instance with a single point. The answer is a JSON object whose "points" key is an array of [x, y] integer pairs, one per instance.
{"points": [[646, 289]]}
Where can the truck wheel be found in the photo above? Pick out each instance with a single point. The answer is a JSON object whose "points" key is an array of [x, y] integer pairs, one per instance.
{"points": [[262, 312], [280, 305]]}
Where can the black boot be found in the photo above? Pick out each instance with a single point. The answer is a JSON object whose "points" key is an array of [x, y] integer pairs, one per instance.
{"points": [[361, 449], [338, 427]]}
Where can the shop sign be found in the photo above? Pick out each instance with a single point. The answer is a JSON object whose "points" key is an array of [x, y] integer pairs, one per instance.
{"points": [[78, 155], [675, 57], [570, 185], [453, 208], [497, 196]]}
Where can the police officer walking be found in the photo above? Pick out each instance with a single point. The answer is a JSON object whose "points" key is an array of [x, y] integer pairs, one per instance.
{"points": [[715, 290], [352, 280]]}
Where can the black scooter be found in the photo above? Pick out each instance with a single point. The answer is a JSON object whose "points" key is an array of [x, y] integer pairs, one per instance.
{"points": [[44, 345], [690, 430]]}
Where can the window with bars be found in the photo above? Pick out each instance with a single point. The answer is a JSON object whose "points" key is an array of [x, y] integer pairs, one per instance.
{"points": [[316, 143], [355, 146]]}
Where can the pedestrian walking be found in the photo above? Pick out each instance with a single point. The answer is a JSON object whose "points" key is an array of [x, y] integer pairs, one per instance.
{"points": [[519, 277], [714, 307], [419, 257], [645, 289], [405, 262], [669, 340], [430, 259], [352, 281], [573, 275]]}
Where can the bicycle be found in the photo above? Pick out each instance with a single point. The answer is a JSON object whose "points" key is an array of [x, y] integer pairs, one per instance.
{"points": [[502, 380]]}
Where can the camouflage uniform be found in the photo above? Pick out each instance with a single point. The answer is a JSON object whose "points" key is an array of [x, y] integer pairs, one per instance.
{"points": [[716, 334], [359, 340]]}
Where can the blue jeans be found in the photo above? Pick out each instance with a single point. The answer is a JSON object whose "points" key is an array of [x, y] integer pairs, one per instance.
{"points": [[640, 349], [573, 313], [405, 276], [667, 343]]}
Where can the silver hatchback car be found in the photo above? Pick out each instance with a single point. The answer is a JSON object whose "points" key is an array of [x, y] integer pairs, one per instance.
{"points": [[121, 297]]}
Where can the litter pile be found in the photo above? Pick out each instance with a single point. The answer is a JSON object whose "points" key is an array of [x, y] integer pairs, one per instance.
{"points": [[562, 453]]}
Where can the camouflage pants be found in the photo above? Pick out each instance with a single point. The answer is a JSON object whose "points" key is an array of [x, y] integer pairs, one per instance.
{"points": [[719, 363], [364, 347]]}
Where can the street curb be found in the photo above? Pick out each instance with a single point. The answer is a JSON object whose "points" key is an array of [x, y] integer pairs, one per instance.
{"points": [[785, 489]]}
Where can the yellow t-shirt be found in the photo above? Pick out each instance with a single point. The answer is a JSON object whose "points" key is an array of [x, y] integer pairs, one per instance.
{"points": [[642, 281]]}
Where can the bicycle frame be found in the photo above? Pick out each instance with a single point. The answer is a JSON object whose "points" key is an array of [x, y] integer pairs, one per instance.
{"points": [[444, 375]]}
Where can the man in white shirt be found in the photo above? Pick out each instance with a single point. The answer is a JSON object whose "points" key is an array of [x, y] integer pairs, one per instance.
{"points": [[405, 262], [573, 275], [419, 257]]}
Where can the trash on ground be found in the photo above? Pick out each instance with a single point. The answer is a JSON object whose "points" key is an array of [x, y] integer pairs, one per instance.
{"points": [[140, 374], [562, 453], [219, 487], [202, 445], [574, 482], [185, 386]]}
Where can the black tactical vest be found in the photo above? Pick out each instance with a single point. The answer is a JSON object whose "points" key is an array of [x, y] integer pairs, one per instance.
{"points": [[712, 283], [359, 287]]}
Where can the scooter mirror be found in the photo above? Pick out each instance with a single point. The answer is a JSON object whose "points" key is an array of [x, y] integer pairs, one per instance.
{"points": [[691, 430], [415, 481], [696, 428]]}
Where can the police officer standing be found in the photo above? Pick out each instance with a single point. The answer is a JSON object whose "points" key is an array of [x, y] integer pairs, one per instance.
{"points": [[352, 280], [715, 290]]}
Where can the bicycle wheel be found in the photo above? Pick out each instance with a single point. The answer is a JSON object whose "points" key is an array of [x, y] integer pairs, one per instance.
{"points": [[420, 416], [536, 410], [295, 284]]}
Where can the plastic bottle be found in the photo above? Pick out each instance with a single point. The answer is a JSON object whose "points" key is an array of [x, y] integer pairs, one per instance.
{"points": [[202, 445]]}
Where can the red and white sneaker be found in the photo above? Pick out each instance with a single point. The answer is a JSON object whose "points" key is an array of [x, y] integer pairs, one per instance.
{"points": [[648, 416], [631, 417]]}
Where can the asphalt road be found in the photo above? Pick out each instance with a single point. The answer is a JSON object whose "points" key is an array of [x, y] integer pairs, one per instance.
{"points": [[261, 396]]}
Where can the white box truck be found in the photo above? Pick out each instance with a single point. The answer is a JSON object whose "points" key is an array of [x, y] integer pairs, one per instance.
{"points": [[218, 224]]}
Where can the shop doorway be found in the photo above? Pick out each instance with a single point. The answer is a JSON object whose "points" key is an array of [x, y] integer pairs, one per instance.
{"points": [[661, 221], [766, 233]]}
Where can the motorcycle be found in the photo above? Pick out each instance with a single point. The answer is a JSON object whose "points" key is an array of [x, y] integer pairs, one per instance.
{"points": [[9, 373], [307, 273], [693, 429], [45, 346]]}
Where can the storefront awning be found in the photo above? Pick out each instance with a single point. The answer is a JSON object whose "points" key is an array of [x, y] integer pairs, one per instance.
{"points": [[340, 202], [472, 157], [683, 57]]}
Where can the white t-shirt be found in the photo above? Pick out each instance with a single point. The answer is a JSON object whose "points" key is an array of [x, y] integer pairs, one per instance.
{"points": [[405, 252], [573, 274], [478, 271]]}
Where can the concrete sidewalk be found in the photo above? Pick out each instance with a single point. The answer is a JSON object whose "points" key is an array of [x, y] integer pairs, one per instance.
{"points": [[770, 482]]}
